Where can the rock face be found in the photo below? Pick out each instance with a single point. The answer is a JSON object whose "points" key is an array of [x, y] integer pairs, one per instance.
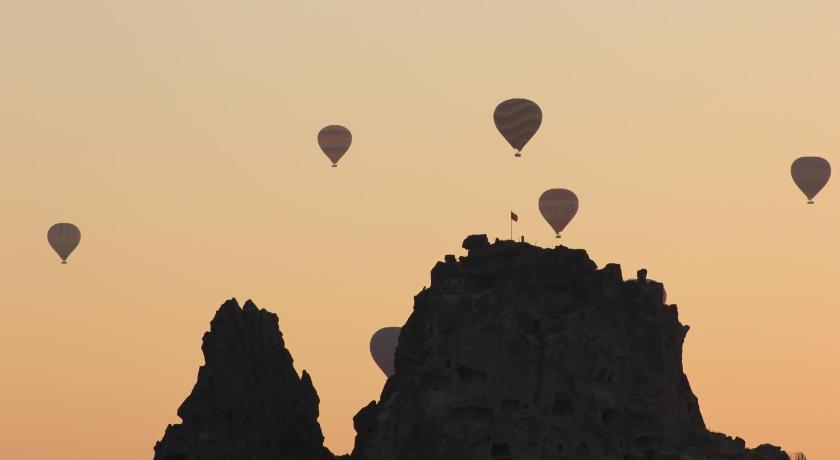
{"points": [[248, 402], [517, 352], [514, 353]]}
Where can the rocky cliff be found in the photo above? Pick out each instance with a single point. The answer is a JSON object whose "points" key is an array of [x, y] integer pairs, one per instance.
{"points": [[248, 402], [517, 352], [514, 352]]}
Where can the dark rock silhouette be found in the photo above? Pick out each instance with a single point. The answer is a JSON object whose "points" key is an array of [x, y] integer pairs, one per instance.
{"points": [[248, 402], [519, 352], [514, 352]]}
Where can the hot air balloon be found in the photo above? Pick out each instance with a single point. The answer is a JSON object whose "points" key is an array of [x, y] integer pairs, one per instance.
{"points": [[558, 206], [518, 120], [810, 174], [334, 141], [383, 344], [64, 238]]}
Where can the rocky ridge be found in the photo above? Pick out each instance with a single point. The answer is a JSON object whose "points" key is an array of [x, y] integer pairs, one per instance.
{"points": [[249, 402], [519, 352], [514, 352]]}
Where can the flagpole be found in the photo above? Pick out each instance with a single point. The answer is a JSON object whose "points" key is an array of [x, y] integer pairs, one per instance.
{"points": [[511, 229]]}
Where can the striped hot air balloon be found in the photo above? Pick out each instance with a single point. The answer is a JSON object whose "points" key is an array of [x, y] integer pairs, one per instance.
{"points": [[810, 174], [334, 141], [518, 120], [558, 206], [64, 238]]}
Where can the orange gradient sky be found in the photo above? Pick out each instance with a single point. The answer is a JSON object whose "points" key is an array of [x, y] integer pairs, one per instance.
{"points": [[179, 135]]}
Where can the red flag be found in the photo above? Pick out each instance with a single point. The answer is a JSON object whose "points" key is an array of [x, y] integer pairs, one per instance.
{"points": [[514, 217]]}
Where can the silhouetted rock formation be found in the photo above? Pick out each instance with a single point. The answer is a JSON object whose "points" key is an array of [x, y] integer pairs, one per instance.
{"points": [[248, 403], [517, 352], [514, 353]]}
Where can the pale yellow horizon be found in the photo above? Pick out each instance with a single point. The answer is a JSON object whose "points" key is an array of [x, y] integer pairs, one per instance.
{"points": [[180, 137]]}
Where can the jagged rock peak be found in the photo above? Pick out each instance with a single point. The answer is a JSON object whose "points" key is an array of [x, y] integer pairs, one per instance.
{"points": [[248, 402], [521, 352]]}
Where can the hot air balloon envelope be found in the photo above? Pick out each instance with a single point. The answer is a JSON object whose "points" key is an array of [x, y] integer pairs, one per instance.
{"points": [[383, 344], [518, 120], [64, 238], [558, 206], [334, 141], [810, 174]]}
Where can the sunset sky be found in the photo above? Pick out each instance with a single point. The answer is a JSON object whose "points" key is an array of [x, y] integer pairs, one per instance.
{"points": [[180, 137]]}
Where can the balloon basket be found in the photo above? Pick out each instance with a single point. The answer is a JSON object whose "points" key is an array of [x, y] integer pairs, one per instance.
{"points": [[517, 154], [64, 262], [810, 202], [558, 237], [335, 166]]}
